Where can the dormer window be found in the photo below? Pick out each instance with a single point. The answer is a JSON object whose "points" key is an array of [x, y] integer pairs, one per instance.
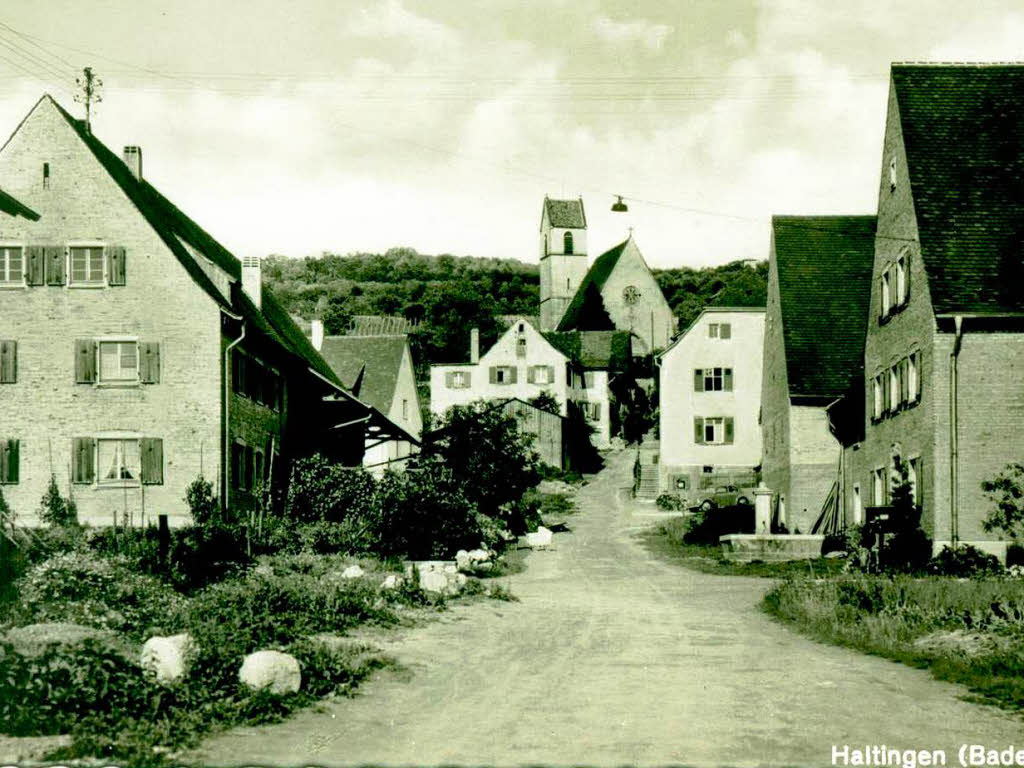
{"points": [[567, 242], [892, 174]]}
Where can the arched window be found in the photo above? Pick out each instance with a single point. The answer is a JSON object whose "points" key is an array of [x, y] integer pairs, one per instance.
{"points": [[567, 240]]}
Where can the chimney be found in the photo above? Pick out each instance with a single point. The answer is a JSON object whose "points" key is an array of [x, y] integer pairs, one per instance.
{"points": [[474, 346], [318, 333], [252, 282], [133, 159]]}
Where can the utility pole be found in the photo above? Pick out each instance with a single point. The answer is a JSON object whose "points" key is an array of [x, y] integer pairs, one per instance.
{"points": [[90, 85]]}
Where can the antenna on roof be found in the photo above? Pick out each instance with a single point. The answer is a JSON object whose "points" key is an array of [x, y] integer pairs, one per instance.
{"points": [[90, 85]]}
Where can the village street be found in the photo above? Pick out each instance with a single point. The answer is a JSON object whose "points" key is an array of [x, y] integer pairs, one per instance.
{"points": [[613, 656]]}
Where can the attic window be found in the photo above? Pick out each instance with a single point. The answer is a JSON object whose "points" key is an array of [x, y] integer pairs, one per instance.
{"points": [[892, 174], [46, 175]]}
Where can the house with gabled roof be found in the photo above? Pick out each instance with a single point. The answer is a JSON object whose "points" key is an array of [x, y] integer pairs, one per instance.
{"points": [[379, 370], [818, 288], [940, 386], [138, 352]]}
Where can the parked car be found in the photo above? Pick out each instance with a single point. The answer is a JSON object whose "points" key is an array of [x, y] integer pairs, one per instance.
{"points": [[725, 496]]}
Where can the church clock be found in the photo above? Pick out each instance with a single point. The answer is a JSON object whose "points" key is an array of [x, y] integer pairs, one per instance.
{"points": [[630, 295]]}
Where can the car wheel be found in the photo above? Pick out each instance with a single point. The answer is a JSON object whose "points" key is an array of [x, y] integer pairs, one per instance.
{"points": [[707, 505], [743, 501]]}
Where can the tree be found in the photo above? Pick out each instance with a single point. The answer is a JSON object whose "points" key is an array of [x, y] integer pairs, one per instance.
{"points": [[907, 548], [487, 453], [1006, 491], [546, 402], [56, 510]]}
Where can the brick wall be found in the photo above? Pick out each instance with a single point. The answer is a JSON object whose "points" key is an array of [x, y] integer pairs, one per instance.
{"points": [[45, 409]]}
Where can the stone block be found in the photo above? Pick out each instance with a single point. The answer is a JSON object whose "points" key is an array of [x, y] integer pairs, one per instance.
{"points": [[279, 672]]}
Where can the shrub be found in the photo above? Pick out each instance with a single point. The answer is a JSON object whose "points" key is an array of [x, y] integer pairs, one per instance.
{"points": [[330, 668], [55, 509], [202, 502], [1006, 491], [964, 561], [671, 501], [320, 490], [97, 592], [708, 526]]}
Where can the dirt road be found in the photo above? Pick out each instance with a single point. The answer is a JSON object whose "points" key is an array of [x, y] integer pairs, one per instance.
{"points": [[616, 657]]}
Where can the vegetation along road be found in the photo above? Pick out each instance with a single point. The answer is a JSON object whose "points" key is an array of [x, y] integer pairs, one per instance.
{"points": [[613, 656]]}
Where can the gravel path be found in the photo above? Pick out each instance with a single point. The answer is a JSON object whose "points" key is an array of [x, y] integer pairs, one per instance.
{"points": [[614, 657]]}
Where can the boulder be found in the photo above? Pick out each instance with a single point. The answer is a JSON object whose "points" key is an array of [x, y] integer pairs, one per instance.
{"points": [[434, 581], [352, 572], [460, 582], [479, 556], [462, 560], [277, 671], [450, 569], [33, 639], [392, 581], [167, 657], [539, 538]]}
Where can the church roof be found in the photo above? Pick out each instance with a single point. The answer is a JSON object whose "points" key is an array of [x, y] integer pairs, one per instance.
{"points": [[605, 350], [565, 213], [597, 276]]}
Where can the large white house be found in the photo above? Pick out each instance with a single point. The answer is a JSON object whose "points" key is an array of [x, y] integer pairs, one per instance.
{"points": [[710, 396]]}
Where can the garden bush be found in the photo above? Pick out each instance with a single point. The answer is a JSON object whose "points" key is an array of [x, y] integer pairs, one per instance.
{"points": [[320, 490], [670, 501], [707, 526], [964, 561]]}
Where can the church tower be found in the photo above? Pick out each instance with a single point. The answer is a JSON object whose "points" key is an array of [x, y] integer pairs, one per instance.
{"points": [[563, 257]]}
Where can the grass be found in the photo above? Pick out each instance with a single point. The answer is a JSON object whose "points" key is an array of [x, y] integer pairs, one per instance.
{"points": [[969, 632], [666, 541]]}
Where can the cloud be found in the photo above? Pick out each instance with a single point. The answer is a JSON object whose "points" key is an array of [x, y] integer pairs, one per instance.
{"points": [[390, 20], [652, 36]]}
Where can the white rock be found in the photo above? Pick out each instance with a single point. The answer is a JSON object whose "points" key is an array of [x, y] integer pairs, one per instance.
{"points": [[433, 581], [450, 569], [168, 657], [271, 669], [392, 581], [479, 556], [462, 559], [352, 572], [539, 538], [460, 581]]}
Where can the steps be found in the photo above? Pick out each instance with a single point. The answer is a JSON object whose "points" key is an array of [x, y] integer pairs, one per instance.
{"points": [[647, 485]]}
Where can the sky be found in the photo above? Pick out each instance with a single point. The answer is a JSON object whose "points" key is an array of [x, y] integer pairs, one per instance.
{"points": [[303, 126]]}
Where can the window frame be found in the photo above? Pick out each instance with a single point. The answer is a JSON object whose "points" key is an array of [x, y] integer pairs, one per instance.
{"points": [[719, 378], [878, 398], [501, 374], [914, 377], [459, 380], [714, 421], [893, 382], [540, 374], [886, 289], [5, 283], [119, 437], [70, 282], [878, 490], [100, 381], [714, 330], [901, 280]]}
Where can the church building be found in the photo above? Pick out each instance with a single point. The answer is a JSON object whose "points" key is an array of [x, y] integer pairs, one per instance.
{"points": [[618, 292]]}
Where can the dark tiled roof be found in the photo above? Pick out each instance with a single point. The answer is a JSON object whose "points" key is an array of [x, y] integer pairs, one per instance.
{"points": [[380, 325], [378, 359], [824, 266], [14, 207], [173, 227], [963, 130], [596, 276], [565, 213], [610, 350]]}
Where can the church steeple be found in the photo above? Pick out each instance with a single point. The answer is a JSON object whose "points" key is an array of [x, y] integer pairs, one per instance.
{"points": [[563, 257]]}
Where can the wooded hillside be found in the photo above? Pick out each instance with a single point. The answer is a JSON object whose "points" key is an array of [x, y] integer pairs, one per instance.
{"points": [[448, 295]]}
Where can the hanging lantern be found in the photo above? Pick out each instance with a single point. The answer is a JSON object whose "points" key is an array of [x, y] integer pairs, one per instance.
{"points": [[619, 206]]}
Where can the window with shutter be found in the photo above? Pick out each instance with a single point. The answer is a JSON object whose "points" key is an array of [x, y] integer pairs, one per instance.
{"points": [[118, 461], [85, 361], [12, 266], [913, 392], [118, 362], [83, 465], [87, 265], [152, 460], [8, 362], [115, 265], [9, 461]]}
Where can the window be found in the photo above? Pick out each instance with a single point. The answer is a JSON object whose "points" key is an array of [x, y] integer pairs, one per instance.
{"points": [[912, 389], [238, 466], [46, 175], [713, 380], [405, 408], [719, 330], [885, 293], [119, 461], [457, 379], [119, 361], [521, 344], [858, 512], [588, 379], [12, 265], [913, 478], [712, 330], [901, 281], [878, 399], [567, 242], [894, 389], [503, 374], [9, 461], [715, 430], [86, 265], [541, 374], [892, 174], [254, 380], [592, 411], [878, 486]]}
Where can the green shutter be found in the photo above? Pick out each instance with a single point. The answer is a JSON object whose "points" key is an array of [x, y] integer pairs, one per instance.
{"points": [[449, 379], [698, 430], [4, 447], [36, 270], [149, 362], [83, 460], [467, 379], [531, 375], [725, 331], [494, 374], [115, 265], [513, 374], [698, 380], [54, 264], [728, 430], [152, 449], [8, 362], [906, 278], [85, 361], [728, 379], [12, 461]]}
